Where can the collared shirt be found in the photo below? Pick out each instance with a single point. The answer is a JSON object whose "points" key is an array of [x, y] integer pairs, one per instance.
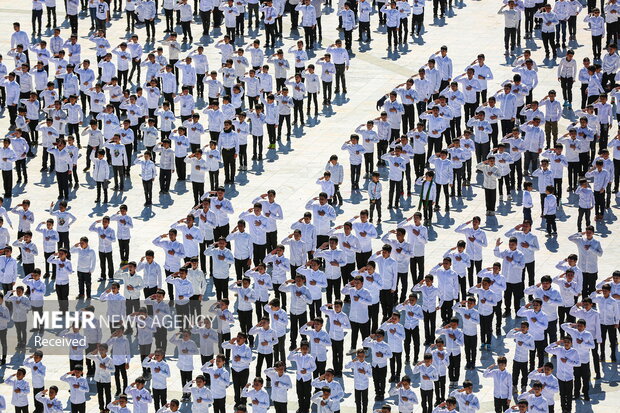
{"points": [[567, 360], [174, 253], [538, 322], [524, 343], [380, 351], [583, 342], [219, 383], [87, 259], [160, 371], [589, 251], [502, 383], [222, 260], [428, 376]]}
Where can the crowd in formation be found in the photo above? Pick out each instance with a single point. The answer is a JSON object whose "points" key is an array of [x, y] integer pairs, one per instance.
{"points": [[245, 287]]}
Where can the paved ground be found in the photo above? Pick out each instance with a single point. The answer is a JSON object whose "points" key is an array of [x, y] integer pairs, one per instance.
{"points": [[471, 28]]}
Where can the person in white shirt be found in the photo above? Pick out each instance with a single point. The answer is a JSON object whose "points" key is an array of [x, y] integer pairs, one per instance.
{"points": [[280, 384], [428, 378], [502, 390], [589, 251], [568, 359]]}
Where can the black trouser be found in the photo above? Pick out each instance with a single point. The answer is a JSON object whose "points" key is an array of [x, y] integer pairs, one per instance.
{"points": [[63, 184], [123, 246], [103, 258], [46, 255], [470, 349], [337, 355], [160, 398], [356, 171], [187, 30], [240, 379], [165, 176], [490, 196], [279, 350], [104, 389], [119, 172], [589, 283], [332, 290], [340, 70], [566, 395], [599, 203], [486, 328], [419, 159], [416, 266], [84, 283], [180, 166], [458, 181], [387, 299], [430, 319], [148, 190], [582, 379], [497, 309], [442, 4], [281, 120], [357, 329], [427, 400], [12, 113], [551, 225], [119, 370], [298, 110], [327, 92], [482, 150], [361, 401], [396, 188], [475, 265], [378, 377], [375, 204], [364, 27], [613, 340], [315, 307], [454, 368], [412, 334], [446, 192], [403, 281], [259, 253], [504, 181], [297, 321], [310, 36], [51, 16], [596, 46], [392, 33], [38, 406], [538, 353], [513, 290], [396, 364], [268, 358], [446, 311], [510, 36], [501, 405], [241, 266], [519, 367], [245, 324], [548, 39], [228, 157], [221, 287], [567, 88], [440, 389], [304, 392], [20, 167], [434, 145]]}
